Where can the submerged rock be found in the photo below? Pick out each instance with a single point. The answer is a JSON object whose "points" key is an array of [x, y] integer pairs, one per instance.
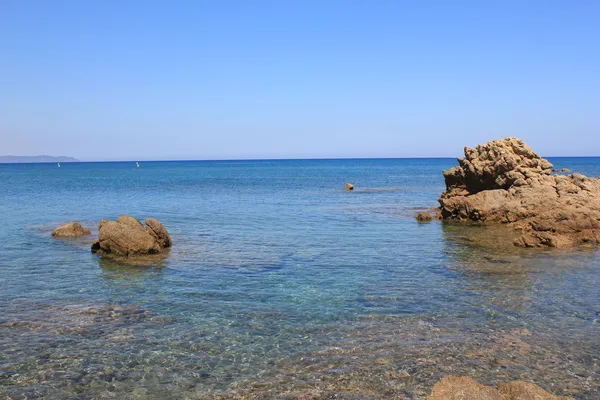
{"points": [[505, 181], [466, 388], [349, 186], [127, 237], [424, 217], [72, 229]]}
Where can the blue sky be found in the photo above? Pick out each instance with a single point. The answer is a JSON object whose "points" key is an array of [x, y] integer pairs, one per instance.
{"points": [[107, 80]]}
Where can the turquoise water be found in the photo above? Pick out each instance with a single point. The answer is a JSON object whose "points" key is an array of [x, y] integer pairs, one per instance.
{"points": [[271, 260]]}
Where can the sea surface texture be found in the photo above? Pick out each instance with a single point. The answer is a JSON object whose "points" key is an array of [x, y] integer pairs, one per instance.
{"points": [[281, 284]]}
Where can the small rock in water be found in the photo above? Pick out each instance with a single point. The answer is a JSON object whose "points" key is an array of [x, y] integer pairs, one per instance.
{"points": [[424, 217], [72, 229], [397, 375], [382, 361]]}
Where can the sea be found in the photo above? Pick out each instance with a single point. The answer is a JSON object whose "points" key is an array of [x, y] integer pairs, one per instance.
{"points": [[281, 284]]}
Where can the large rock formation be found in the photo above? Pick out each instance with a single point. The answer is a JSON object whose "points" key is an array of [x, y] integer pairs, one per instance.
{"points": [[72, 229], [465, 388], [127, 237], [505, 181]]}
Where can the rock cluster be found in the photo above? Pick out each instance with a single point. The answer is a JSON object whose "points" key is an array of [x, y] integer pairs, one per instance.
{"points": [[465, 388], [127, 237], [505, 181], [72, 229]]}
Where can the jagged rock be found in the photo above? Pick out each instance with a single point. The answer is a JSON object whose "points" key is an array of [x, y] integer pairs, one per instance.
{"points": [[466, 388], [496, 165], [424, 217], [127, 237], [349, 186], [72, 229], [504, 181]]}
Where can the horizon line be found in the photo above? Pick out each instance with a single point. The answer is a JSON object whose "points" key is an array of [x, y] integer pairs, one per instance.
{"points": [[256, 159]]}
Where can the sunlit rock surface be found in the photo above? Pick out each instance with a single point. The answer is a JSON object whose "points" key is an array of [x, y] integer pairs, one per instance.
{"points": [[70, 230], [505, 181], [127, 237]]}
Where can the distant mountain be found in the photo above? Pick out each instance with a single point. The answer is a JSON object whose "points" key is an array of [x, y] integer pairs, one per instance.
{"points": [[35, 159]]}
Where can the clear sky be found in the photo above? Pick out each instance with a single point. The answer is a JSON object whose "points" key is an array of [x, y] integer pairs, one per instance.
{"points": [[105, 80]]}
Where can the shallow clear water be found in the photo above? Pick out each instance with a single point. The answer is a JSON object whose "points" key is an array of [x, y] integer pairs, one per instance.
{"points": [[271, 259]]}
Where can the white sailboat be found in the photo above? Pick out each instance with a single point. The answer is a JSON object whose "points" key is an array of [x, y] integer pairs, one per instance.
{"points": [[137, 164], [58, 165]]}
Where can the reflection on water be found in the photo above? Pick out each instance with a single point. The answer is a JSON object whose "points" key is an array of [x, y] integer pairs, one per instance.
{"points": [[133, 265], [529, 286], [113, 269]]}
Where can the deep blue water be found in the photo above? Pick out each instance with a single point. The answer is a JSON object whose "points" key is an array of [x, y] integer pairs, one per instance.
{"points": [[270, 259]]}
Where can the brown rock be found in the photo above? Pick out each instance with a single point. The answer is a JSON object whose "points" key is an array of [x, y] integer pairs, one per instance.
{"points": [[158, 231], [72, 229], [497, 164], [504, 181], [130, 221], [125, 240], [127, 237], [424, 217], [519, 390], [454, 178], [463, 388], [382, 361], [466, 388]]}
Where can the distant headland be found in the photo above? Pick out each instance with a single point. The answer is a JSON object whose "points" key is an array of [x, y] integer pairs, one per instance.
{"points": [[35, 159]]}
